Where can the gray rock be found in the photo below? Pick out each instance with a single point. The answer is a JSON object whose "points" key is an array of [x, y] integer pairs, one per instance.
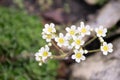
{"points": [[98, 66], [108, 16]]}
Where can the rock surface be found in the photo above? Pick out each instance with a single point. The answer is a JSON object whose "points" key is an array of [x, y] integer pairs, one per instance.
{"points": [[108, 16], [98, 66]]}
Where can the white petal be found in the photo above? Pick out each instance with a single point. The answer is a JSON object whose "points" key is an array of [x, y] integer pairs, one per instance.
{"points": [[46, 25], [110, 45], [56, 39], [81, 51], [104, 35], [96, 29], [48, 40], [73, 56], [37, 59], [44, 30], [75, 51], [77, 60], [79, 37], [83, 58], [77, 46], [88, 27], [44, 58], [44, 36], [104, 43], [46, 48], [52, 25], [82, 42], [105, 30], [105, 53], [60, 35], [67, 29], [54, 30], [73, 27], [111, 50], [49, 53], [88, 33], [42, 49]]}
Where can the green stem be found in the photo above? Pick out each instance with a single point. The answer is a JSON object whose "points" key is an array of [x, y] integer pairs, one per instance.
{"points": [[57, 47], [90, 41], [60, 56], [91, 51]]}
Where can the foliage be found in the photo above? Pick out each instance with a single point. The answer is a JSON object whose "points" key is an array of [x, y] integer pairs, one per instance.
{"points": [[19, 33], [28, 70]]}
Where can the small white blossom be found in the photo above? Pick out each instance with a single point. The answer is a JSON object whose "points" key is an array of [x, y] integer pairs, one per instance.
{"points": [[77, 41], [71, 31], [61, 40], [105, 48], [49, 28], [70, 41], [84, 30], [42, 54], [101, 32], [78, 56], [48, 37]]}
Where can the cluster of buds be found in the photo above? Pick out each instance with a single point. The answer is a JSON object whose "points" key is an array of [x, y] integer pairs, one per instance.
{"points": [[73, 40]]}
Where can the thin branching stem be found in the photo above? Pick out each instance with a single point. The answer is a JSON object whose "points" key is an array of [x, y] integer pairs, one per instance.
{"points": [[90, 41], [57, 47], [96, 50]]}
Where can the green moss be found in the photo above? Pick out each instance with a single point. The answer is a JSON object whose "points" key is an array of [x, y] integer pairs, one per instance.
{"points": [[20, 34]]}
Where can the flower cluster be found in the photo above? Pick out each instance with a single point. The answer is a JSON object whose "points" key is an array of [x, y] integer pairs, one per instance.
{"points": [[73, 40]]}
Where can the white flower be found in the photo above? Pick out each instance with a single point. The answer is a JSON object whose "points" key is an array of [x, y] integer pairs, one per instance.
{"points": [[70, 41], [49, 28], [77, 42], [71, 31], [48, 37], [84, 30], [43, 54], [61, 40], [101, 32], [105, 48], [78, 56]]}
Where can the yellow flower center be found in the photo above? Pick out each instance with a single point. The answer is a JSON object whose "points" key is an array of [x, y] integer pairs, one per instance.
{"points": [[78, 55], [49, 36], [105, 48], [100, 32], [78, 42], [49, 29], [61, 40], [72, 32], [83, 30], [45, 53]]}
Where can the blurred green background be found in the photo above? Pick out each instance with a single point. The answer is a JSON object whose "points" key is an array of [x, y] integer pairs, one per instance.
{"points": [[20, 38]]}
